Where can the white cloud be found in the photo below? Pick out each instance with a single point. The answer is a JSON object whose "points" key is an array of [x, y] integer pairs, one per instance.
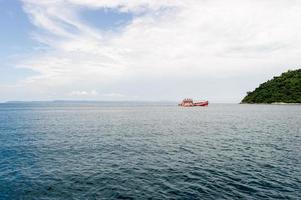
{"points": [[84, 93], [114, 95], [171, 49]]}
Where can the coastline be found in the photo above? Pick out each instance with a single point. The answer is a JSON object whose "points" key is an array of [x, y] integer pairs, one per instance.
{"points": [[274, 103]]}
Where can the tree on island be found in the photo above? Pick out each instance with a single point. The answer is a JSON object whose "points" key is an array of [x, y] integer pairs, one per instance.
{"points": [[285, 89]]}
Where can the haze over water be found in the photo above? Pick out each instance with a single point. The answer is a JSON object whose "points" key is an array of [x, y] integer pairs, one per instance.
{"points": [[144, 150]]}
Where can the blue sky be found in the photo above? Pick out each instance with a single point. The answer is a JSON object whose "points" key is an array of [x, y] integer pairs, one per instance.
{"points": [[17, 42], [106, 19], [14, 39], [15, 28], [144, 50]]}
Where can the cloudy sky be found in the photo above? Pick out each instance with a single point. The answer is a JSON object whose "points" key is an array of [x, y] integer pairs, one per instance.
{"points": [[145, 49]]}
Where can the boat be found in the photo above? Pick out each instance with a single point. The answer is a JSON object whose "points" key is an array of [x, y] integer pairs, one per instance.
{"points": [[189, 103]]}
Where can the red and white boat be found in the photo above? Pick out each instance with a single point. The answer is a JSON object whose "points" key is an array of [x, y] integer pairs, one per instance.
{"points": [[189, 103]]}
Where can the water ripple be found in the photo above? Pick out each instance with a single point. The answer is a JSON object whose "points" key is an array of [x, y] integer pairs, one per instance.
{"points": [[98, 151]]}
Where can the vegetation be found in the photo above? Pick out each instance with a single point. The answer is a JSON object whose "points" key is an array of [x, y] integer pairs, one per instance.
{"points": [[285, 89]]}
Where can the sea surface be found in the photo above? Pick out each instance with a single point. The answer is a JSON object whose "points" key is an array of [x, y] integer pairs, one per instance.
{"points": [[103, 150]]}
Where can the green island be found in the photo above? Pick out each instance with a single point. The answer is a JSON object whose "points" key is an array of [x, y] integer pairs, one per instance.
{"points": [[282, 89]]}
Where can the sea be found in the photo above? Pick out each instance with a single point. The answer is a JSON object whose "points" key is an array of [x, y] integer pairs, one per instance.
{"points": [[149, 150]]}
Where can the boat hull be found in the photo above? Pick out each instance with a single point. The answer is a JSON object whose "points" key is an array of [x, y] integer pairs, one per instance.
{"points": [[190, 103], [202, 103]]}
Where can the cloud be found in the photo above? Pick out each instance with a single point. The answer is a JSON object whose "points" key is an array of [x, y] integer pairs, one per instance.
{"points": [[170, 48], [118, 95], [84, 93]]}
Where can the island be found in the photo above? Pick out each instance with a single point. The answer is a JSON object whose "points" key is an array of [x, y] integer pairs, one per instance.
{"points": [[282, 89]]}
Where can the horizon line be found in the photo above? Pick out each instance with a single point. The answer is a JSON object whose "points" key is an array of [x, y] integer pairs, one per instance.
{"points": [[102, 101]]}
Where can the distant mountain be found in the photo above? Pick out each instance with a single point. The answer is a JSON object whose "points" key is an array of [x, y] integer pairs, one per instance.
{"points": [[282, 89]]}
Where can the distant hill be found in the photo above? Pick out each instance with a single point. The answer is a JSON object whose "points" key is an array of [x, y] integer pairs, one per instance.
{"points": [[282, 89]]}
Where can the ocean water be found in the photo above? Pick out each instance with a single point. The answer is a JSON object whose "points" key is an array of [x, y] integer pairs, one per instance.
{"points": [[149, 151]]}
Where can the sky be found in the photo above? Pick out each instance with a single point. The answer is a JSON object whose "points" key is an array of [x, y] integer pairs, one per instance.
{"points": [[145, 50]]}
